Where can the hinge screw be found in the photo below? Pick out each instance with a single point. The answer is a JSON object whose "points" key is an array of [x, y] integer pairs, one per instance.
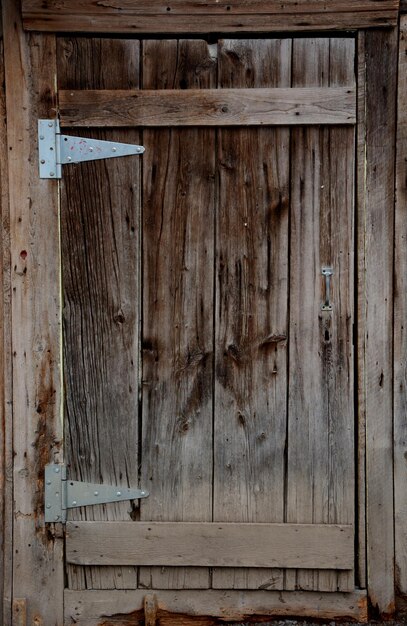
{"points": [[96, 493], [50, 124], [48, 506], [43, 161], [90, 149], [114, 149], [142, 493], [74, 502], [48, 482], [51, 174], [119, 493], [57, 470], [69, 158]]}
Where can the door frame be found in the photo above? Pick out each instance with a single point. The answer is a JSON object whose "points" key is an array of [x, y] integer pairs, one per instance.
{"points": [[32, 370]]}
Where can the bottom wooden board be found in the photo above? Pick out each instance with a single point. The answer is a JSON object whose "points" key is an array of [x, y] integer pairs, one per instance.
{"points": [[95, 608]]}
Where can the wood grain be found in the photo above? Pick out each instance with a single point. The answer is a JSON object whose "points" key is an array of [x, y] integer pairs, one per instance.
{"points": [[89, 607], [251, 307], [361, 311], [6, 415], [209, 107], [320, 467], [185, 16], [381, 76], [30, 72], [400, 323], [178, 233], [210, 544], [100, 236]]}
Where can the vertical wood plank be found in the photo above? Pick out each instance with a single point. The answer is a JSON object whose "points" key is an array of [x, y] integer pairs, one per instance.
{"points": [[251, 308], [178, 233], [400, 322], [361, 313], [30, 94], [320, 479], [6, 416], [100, 235], [381, 89]]}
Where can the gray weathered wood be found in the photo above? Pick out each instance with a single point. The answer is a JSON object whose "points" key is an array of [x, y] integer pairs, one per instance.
{"points": [[360, 335], [30, 72], [185, 16], [320, 476], [251, 307], [209, 107], [90, 607], [210, 544], [6, 445], [381, 76], [100, 237], [178, 233], [400, 323]]}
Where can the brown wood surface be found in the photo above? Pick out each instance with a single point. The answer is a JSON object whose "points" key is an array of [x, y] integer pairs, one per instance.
{"points": [[210, 544], [178, 233], [251, 307], [100, 244], [6, 445], [320, 465], [185, 16], [90, 607], [30, 73], [209, 107], [400, 323], [381, 88]]}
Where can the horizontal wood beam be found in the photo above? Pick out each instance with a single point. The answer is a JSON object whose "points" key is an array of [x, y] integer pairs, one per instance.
{"points": [[89, 607], [209, 107], [131, 16], [198, 544]]}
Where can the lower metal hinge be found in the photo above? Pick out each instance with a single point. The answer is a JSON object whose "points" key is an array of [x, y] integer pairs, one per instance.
{"points": [[62, 494], [55, 150]]}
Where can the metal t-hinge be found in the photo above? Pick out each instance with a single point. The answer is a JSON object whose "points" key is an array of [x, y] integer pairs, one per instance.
{"points": [[55, 150], [62, 494]]}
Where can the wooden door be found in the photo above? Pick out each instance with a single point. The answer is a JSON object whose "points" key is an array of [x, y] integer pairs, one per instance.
{"points": [[199, 362]]}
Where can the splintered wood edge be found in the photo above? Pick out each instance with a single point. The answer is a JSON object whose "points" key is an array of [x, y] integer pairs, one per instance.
{"points": [[88, 607]]}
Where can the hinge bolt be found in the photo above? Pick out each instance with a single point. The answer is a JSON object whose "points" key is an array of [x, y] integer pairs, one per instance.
{"points": [[142, 493], [48, 506], [51, 174], [43, 161], [74, 502], [114, 149], [69, 158], [90, 149], [57, 470], [48, 482], [96, 493], [119, 493], [50, 124]]}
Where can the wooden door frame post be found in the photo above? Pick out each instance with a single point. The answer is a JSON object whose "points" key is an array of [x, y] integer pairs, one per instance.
{"points": [[30, 77], [376, 174]]}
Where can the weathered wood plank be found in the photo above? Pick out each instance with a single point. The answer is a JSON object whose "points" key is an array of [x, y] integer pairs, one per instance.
{"points": [[90, 607], [186, 16], [210, 544], [400, 323], [251, 307], [6, 416], [320, 468], [209, 107], [178, 234], [361, 312], [381, 89], [34, 242], [100, 237], [188, 7]]}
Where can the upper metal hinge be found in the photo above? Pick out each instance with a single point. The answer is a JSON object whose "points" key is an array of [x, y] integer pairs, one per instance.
{"points": [[62, 494], [55, 149]]}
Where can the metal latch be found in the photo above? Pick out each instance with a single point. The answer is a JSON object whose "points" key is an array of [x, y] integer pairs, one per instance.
{"points": [[62, 494], [327, 272], [55, 150]]}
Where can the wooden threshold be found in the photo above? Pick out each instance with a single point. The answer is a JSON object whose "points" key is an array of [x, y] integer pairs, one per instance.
{"points": [[212, 544], [90, 607], [209, 107], [132, 16]]}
